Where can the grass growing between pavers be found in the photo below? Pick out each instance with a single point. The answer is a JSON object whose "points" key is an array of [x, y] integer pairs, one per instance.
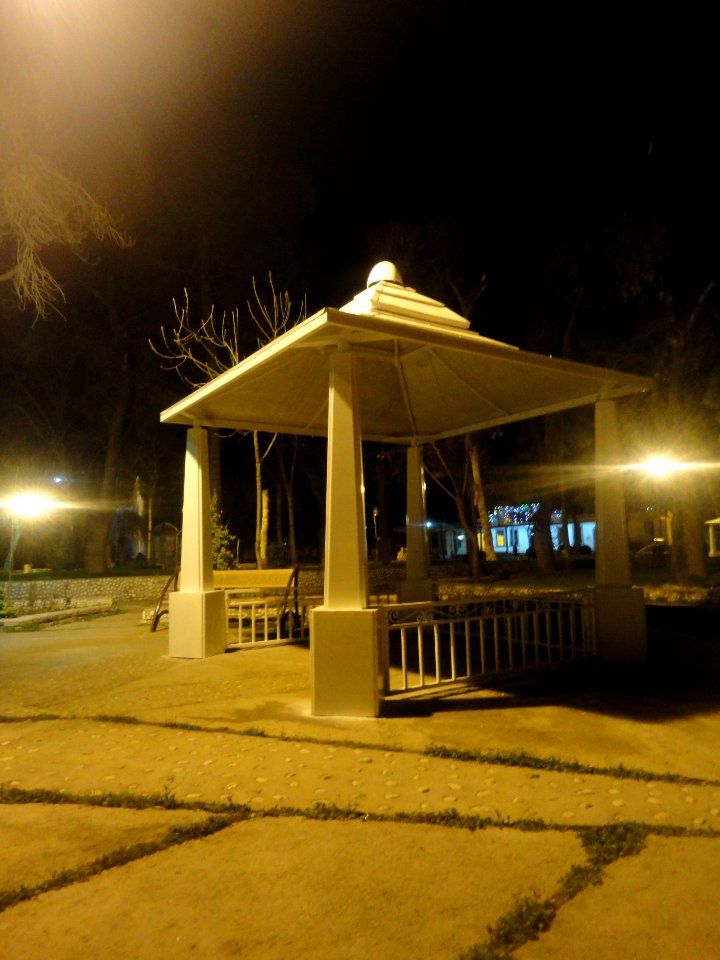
{"points": [[526, 920], [117, 858], [521, 758], [531, 916], [501, 758]]}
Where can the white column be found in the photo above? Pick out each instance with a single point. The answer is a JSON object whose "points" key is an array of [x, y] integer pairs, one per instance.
{"points": [[619, 607], [196, 621], [345, 538], [343, 634], [417, 584]]}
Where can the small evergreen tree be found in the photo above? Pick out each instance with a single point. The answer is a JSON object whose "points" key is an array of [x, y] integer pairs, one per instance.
{"points": [[223, 542], [5, 611]]}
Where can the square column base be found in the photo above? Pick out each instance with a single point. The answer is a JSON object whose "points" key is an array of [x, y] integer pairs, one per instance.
{"points": [[620, 625], [197, 624], [344, 663]]}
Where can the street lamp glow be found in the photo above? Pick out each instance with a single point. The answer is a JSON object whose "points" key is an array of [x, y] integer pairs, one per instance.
{"points": [[27, 504], [660, 466]]}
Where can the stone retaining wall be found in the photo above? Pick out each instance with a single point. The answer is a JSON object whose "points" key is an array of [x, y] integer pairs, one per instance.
{"points": [[32, 596], [28, 596]]}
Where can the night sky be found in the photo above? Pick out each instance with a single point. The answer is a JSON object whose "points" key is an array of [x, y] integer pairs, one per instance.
{"points": [[298, 128], [294, 136]]}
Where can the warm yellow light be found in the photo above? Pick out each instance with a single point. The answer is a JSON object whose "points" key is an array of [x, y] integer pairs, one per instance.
{"points": [[660, 466], [27, 504]]}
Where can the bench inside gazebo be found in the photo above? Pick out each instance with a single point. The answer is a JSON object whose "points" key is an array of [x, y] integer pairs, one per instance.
{"points": [[395, 366]]}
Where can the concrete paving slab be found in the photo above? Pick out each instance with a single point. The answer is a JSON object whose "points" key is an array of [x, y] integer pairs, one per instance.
{"points": [[284, 882], [115, 665], [661, 903], [39, 840], [278, 888], [217, 767]]}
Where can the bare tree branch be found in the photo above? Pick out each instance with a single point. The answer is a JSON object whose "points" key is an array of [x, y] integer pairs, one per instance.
{"points": [[201, 351], [271, 323], [40, 206]]}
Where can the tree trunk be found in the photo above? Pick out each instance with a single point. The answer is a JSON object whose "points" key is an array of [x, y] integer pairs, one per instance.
{"points": [[150, 545], [258, 501], [542, 540], [95, 557], [689, 556], [292, 539], [287, 478], [471, 540], [264, 525], [479, 497], [279, 538], [215, 466], [453, 464], [290, 494], [384, 542]]}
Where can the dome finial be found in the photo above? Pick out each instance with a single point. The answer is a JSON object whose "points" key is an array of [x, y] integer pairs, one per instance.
{"points": [[385, 270]]}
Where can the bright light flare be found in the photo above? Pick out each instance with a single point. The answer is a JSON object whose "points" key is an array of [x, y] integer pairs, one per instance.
{"points": [[28, 505], [661, 466]]}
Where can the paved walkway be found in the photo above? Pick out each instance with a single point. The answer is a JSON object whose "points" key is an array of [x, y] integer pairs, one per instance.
{"points": [[224, 820]]}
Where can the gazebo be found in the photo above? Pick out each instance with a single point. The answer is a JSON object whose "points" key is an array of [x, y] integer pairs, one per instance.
{"points": [[395, 366]]}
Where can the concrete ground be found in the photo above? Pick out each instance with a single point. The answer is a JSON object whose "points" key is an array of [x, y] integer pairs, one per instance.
{"points": [[225, 821]]}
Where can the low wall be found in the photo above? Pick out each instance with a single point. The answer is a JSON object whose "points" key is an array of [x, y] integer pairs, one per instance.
{"points": [[28, 596]]}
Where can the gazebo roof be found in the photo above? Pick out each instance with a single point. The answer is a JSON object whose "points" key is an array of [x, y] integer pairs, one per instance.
{"points": [[420, 373]]}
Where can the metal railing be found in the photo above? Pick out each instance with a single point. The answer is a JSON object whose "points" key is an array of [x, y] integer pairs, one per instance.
{"points": [[259, 621], [270, 619], [428, 645]]}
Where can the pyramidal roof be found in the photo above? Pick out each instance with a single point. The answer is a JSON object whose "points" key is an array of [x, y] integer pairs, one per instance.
{"points": [[419, 374], [386, 297]]}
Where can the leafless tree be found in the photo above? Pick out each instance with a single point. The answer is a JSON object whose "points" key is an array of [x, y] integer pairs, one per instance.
{"points": [[41, 206], [472, 445], [447, 462], [200, 352]]}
